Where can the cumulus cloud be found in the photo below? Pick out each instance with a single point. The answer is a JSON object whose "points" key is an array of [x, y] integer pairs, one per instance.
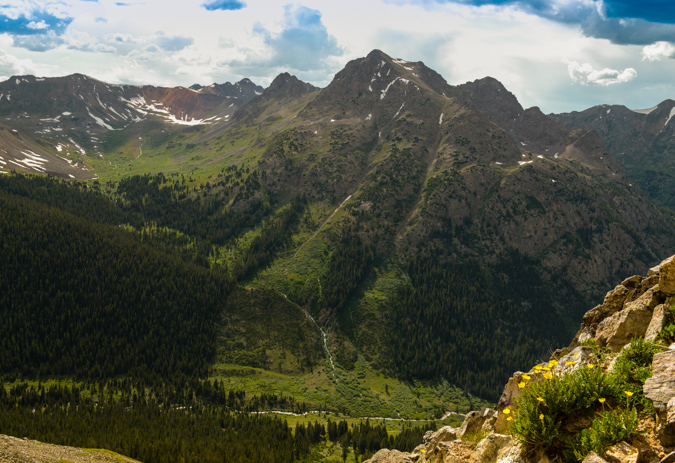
{"points": [[624, 22], [173, 43], [585, 74], [212, 5], [658, 51], [303, 44], [11, 65], [42, 42], [121, 38], [79, 40]]}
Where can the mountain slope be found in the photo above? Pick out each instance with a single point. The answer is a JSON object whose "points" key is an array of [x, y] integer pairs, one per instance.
{"points": [[642, 141], [430, 213]]}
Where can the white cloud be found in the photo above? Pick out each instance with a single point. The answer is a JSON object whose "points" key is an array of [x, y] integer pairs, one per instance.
{"points": [[11, 65], [658, 51], [585, 74], [82, 41], [37, 26]]}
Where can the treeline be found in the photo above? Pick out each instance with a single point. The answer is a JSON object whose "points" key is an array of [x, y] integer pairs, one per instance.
{"points": [[127, 391], [470, 325], [85, 299], [273, 236]]}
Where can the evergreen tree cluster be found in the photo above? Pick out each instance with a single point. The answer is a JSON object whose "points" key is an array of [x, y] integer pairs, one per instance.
{"points": [[365, 438], [86, 299], [471, 326], [273, 236], [146, 429], [346, 269]]}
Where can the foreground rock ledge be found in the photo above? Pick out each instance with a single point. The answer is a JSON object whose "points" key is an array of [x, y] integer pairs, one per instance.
{"points": [[15, 450]]}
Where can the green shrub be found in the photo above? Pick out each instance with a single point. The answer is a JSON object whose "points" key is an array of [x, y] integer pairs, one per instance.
{"points": [[608, 429], [631, 369], [550, 409]]}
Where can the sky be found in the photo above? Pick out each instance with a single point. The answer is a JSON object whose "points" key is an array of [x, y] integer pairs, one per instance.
{"points": [[559, 55]]}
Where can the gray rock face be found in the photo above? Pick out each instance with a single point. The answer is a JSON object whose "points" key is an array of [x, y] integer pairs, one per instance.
{"points": [[617, 331], [660, 388], [475, 420], [489, 449], [445, 434], [657, 323]]}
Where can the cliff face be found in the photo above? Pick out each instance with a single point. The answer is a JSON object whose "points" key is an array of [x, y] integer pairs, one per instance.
{"points": [[634, 318]]}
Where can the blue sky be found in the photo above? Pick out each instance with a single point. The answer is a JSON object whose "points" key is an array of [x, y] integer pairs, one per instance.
{"points": [[560, 55]]}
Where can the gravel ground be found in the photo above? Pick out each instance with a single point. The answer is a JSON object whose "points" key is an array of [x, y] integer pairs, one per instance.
{"points": [[15, 450]]}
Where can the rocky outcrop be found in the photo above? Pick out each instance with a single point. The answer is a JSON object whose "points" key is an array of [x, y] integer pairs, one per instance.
{"points": [[635, 308], [478, 421], [667, 276]]}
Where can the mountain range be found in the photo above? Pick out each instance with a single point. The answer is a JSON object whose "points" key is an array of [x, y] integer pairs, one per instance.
{"points": [[432, 231]]}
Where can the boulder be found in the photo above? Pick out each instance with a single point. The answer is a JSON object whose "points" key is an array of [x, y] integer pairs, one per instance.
{"points": [[632, 282], [475, 420], [391, 456], [657, 323], [595, 315], [456, 451], [513, 454], [614, 300], [622, 453], [489, 449], [445, 434], [667, 276], [665, 424], [617, 331], [660, 388], [594, 458]]}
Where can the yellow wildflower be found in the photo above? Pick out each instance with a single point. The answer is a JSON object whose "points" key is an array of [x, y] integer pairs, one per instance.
{"points": [[571, 363], [601, 400], [422, 451], [546, 369], [548, 375], [628, 393], [509, 419], [552, 363], [521, 384], [526, 377], [541, 417], [506, 410], [540, 399], [590, 366]]}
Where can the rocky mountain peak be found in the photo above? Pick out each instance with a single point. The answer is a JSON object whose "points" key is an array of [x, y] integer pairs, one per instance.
{"points": [[490, 97], [286, 85]]}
